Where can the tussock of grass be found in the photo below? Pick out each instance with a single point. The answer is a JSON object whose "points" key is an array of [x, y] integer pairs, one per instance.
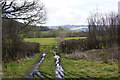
{"points": [[87, 68], [48, 65], [19, 70]]}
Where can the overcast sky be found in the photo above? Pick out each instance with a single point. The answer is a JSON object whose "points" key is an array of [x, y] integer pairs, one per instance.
{"points": [[61, 12]]}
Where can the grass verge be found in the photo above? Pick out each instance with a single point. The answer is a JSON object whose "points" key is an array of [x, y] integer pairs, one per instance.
{"points": [[19, 70], [87, 68]]}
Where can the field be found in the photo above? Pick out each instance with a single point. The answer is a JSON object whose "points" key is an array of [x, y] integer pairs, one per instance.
{"points": [[45, 32], [76, 38], [43, 41], [48, 41]]}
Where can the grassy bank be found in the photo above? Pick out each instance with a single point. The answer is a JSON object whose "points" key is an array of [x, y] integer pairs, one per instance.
{"points": [[47, 68], [19, 69], [87, 68]]}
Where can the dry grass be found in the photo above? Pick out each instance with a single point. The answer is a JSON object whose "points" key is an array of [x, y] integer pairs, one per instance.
{"points": [[105, 55], [77, 55]]}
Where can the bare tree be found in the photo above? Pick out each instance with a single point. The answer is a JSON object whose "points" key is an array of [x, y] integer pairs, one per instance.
{"points": [[103, 29], [30, 12]]}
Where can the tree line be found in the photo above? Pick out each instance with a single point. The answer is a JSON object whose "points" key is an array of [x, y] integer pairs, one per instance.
{"points": [[45, 32]]}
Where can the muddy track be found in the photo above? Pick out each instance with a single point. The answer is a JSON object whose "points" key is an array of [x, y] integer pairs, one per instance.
{"points": [[35, 73], [59, 70]]}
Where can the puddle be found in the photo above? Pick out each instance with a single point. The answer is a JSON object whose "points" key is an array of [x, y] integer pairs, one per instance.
{"points": [[59, 70], [34, 73]]}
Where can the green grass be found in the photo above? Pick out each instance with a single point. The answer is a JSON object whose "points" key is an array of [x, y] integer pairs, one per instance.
{"points": [[48, 41], [48, 66], [76, 38], [47, 48], [45, 32], [43, 41], [19, 70], [87, 68]]}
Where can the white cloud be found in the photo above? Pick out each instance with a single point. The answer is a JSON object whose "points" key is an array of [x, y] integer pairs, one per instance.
{"points": [[62, 12]]}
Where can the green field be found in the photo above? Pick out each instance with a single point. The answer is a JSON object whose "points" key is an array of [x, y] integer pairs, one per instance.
{"points": [[76, 38], [48, 41], [44, 32], [43, 41]]}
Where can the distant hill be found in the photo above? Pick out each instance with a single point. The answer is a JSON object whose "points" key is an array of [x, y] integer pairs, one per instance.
{"points": [[72, 27]]}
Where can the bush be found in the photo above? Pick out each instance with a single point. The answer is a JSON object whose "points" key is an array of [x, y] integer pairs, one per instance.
{"points": [[69, 46], [13, 47], [30, 47]]}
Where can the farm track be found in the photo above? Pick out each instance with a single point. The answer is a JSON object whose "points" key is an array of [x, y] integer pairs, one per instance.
{"points": [[35, 73]]}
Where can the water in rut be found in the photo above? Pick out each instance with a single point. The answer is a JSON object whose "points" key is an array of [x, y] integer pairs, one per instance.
{"points": [[35, 73], [59, 70]]}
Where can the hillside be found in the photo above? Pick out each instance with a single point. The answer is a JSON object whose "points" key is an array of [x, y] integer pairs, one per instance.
{"points": [[72, 27]]}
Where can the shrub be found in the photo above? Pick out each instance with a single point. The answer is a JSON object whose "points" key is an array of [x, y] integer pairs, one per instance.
{"points": [[13, 46], [69, 46]]}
